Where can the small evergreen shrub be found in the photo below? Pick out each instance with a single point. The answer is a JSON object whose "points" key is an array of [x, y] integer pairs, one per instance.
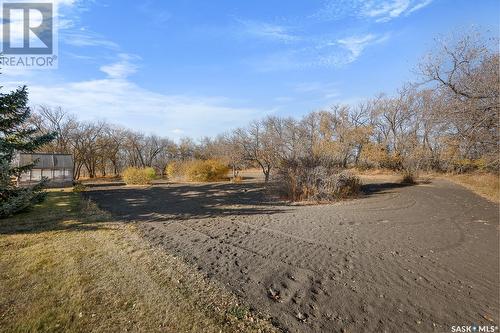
{"points": [[16, 135]]}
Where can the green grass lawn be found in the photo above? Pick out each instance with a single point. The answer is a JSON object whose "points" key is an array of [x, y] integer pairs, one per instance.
{"points": [[65, 266]]}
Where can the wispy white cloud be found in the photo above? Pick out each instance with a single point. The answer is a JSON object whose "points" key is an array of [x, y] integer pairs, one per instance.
{"points": [[384, 11], [65, 2], [121, 69], [71, 30], [319, 52], [125, 103], [419, 6], [356, 44], [86, 38], [68, 12], [302, 47], [336, 9], [268, 31], [377, 10], [323, 90], [155, 15], [117, 98]]}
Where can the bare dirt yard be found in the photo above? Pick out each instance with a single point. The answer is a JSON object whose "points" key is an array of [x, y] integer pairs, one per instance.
{"points": [[399, 259]]}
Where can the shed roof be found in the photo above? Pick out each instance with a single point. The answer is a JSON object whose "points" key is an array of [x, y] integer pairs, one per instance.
{"points": [[47, 161]]}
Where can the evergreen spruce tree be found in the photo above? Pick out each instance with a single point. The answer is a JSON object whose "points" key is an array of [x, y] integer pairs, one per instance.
{"points": [[17, 136]]}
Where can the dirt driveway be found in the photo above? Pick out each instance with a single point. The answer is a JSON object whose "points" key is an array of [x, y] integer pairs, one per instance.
{"points": [[400, 259]]}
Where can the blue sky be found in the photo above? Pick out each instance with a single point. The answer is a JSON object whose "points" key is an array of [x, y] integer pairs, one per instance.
{"points": [[195, 68]]}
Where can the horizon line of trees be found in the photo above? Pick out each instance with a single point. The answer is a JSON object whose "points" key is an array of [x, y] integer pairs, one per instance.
{"points": [[448, 122]]}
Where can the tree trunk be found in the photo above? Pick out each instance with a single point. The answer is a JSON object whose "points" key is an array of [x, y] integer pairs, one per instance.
{"points": [[267, 172]]}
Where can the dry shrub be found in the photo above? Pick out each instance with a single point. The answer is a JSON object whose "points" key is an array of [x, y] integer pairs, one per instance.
{"points": [[138, 176], [79, 187], [197, 170], [409, 178], [373, 156], [315, 179], [469, 165], [206, 171], [176, 170], [237, 179]]}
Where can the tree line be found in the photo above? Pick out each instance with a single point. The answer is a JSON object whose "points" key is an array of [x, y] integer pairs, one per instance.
{"points": [[448, 121]]}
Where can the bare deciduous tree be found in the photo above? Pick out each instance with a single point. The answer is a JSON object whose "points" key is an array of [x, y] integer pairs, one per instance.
{"points": [[449, 122]]}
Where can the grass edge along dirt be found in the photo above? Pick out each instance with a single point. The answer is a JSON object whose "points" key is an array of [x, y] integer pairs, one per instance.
{"points": [[65, 266]]}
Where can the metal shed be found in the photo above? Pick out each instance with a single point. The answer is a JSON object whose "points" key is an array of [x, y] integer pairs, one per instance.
{"points": [[58, 168]]}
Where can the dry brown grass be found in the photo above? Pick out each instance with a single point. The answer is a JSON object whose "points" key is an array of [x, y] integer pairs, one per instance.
{"points": [[373, 172], [62, 269], [484, 184]]}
